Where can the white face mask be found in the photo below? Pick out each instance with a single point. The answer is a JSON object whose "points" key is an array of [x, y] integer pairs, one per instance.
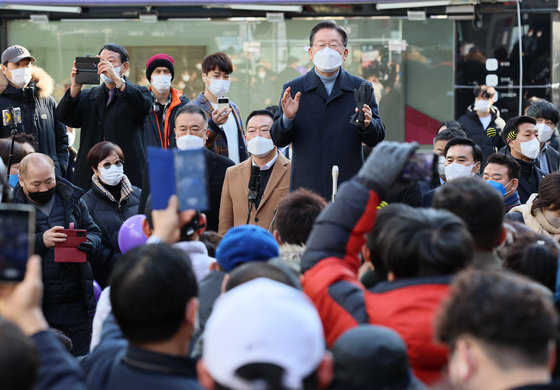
{"points": [[531, 148], [481, 105], [441, 166], [327, 60], [107, 80], [260, 146], [218, 88], [189, 141], [544, 132], [21, 76], [456, 170], [112, 175], [161, 83]]}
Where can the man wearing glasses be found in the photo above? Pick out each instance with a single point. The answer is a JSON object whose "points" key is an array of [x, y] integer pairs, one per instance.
{"points": [[114, 111], [316, 116]]}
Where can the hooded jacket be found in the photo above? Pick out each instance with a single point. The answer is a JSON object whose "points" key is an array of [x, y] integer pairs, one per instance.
{"points": [[472, 126], [38, 116]]}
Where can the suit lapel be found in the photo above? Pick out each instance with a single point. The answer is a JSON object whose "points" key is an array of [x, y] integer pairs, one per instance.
{"points": [[98, 95], [343, 83], [278, 171]]}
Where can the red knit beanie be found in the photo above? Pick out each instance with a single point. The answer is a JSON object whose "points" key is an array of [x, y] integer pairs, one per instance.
{"points": [[160, 59]]}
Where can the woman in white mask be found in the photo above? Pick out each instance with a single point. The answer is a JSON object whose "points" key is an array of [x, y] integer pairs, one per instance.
{"points": [[541, 213], [111, 200]]}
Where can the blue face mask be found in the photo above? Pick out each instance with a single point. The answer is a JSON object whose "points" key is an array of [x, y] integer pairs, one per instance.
{"points": [[498, 186], [13, 180]]}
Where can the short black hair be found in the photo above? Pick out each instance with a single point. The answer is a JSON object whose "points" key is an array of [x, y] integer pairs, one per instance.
{"points": [[330, 24], [296, 214], [192, 109], [544, 109], [535, 256], [476, 203], [425, 242], [450, 125], [117, 49], [19, 358], [505, 311], [259, 112], [477, 152], [219, 61], [151, 286], [513, 167], [512, 126], [484, 91], [449, 133]]}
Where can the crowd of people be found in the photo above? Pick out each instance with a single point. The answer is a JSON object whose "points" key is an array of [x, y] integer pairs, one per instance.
{"points": [[297, 275]]}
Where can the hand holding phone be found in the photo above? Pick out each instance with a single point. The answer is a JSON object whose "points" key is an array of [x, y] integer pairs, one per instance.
{"points": [[68, 251]]}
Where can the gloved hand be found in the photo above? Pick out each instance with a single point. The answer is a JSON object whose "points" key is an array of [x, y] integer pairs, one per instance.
{"points": [[385, 165], [86, 247], [363, 96]]}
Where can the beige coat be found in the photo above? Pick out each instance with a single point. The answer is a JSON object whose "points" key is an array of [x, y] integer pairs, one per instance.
{"points": [[234, 205], [538, 222]]}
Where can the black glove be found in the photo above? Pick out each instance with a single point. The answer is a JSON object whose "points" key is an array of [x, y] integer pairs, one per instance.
{"points": [[385, 164], [363, 96], [86, 247]]}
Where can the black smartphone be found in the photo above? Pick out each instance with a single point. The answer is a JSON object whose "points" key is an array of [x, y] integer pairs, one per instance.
{"points": [[17, 228], [223, 102], [87, 70], [420, 166]]}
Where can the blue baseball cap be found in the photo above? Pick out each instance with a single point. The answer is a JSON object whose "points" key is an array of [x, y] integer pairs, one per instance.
{"points": [[245, 243]]}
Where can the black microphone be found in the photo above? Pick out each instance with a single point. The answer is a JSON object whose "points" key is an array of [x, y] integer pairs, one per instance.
{"points": [[254, 183]]}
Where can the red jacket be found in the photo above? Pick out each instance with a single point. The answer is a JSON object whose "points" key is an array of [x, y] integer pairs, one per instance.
{"points": [[331, 262]]}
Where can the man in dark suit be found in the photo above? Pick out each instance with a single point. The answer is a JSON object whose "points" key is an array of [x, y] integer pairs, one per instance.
{"points": [[114, 111], [191, 131], [316, 116]]}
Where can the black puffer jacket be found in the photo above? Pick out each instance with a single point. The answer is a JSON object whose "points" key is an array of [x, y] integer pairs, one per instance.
{"points": [[64, 282], [109, 215], [472, 126], [38, 116]]}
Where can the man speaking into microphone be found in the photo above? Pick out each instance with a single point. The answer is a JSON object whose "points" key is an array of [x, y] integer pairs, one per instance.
{"points": [[253, 189]]}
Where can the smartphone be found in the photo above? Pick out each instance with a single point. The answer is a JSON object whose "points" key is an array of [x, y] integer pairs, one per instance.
{"points": [[17, 229], [223, 102], [87, 70], [421, 166], [67, 252]]}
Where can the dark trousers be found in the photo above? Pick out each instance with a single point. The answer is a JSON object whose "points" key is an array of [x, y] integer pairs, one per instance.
{"points": [[72, 319]]}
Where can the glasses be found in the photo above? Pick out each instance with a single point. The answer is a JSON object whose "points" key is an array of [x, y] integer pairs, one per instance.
{"points": [[333, 45], [118, 163]]}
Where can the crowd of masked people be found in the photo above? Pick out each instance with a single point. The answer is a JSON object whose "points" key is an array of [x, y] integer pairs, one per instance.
{"points": [[297, 275]]}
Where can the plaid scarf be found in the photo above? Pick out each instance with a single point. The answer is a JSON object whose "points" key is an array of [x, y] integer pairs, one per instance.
{"points": [[126, 188]]}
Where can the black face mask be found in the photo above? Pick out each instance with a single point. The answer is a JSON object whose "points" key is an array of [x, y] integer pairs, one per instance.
{"points": [[41, 197]]}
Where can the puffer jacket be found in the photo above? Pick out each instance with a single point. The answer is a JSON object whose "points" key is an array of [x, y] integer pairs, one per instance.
{"points": [[109, 214], [38, 114], [64, 282]]}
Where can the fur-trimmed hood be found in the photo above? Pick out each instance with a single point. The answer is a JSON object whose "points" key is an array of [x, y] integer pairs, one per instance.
{"points": [[44, 83]]}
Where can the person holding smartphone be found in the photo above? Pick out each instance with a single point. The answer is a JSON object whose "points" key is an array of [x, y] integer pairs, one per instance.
{"points": [[68, 287], [226, 126], [114, 111]]}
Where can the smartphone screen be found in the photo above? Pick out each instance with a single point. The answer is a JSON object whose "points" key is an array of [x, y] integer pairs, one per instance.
{"points": [[420, 166], [223, 102], [17, 227]]}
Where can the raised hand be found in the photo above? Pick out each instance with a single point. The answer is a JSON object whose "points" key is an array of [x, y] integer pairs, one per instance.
{"points": [[290, 106]]}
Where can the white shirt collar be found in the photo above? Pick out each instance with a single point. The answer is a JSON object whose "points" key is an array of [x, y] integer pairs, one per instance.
{"points": [[269, 164]]}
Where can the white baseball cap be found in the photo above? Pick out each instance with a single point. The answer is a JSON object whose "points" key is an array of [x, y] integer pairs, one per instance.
{"points": [[263, 321]]}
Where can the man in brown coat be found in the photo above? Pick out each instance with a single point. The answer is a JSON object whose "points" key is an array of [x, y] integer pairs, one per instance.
{"points": [[252, 189]]}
